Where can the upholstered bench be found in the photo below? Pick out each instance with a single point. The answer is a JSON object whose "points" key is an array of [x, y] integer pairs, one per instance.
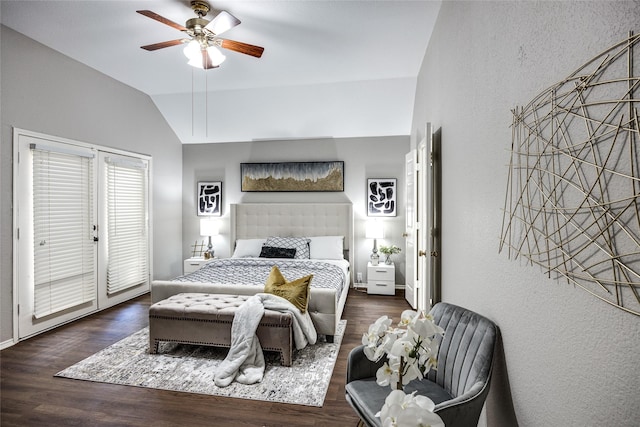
{"points": [[205, 319]]}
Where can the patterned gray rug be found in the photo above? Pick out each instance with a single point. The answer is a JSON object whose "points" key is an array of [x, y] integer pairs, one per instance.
{"points": [[190, 369]]}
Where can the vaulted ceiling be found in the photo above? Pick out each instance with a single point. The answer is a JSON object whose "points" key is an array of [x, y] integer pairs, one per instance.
{"points": [[330, 68]]}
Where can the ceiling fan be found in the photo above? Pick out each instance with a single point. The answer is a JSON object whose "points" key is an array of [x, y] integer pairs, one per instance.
{"points": [[202, 48]]}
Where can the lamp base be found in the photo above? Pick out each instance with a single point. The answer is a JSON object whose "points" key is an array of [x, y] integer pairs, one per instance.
{"points": [[208, 254]]}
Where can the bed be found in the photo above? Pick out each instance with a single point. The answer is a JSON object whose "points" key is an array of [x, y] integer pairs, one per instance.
{"points": [[252, 226]]}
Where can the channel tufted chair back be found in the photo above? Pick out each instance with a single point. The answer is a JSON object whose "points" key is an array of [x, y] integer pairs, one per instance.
{"points": [[458, 387]]}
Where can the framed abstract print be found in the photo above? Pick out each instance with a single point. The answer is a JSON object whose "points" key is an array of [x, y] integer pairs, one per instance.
{"points": [[209, 198], [381, 197]]}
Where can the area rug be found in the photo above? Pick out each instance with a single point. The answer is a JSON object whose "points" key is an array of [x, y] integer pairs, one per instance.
{"points": [[190, 369]]}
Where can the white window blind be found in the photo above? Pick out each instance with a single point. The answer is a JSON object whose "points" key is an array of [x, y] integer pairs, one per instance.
{"points": [[64, 250], [127, 212]]}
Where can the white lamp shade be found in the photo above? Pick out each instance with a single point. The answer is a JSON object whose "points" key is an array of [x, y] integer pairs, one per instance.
{"points": [[215, 55], [209, 227], [374, 230], [192, 50]]}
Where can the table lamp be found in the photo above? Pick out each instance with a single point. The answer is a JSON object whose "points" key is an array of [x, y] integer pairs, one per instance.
{"points": [[208, 228], [374, 231]]}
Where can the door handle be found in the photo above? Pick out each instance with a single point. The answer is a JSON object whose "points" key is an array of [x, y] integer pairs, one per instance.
{"points": [[422, 253]]}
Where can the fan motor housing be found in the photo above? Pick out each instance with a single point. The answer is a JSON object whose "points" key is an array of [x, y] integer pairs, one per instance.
{"points": [[196, 24]]}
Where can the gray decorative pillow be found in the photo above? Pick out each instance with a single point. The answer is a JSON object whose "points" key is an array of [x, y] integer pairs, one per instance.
{"points": [[300, 244]]}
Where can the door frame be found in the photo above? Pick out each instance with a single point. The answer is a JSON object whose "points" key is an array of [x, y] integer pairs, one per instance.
{"points": [[19, 257]]}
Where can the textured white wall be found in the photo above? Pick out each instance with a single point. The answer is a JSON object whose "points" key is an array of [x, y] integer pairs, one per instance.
{"points": [[44, 91], [380, 157], [569, 359]]}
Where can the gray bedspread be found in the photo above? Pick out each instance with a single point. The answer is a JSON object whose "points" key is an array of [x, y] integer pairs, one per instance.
{"points": [[254, 271]]}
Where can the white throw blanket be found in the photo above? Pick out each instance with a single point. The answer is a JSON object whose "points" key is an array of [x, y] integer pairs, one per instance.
{"points": [[245, 360]]}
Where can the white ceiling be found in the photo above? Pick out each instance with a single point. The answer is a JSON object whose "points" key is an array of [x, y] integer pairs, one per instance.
{"points": [[332, 68]]}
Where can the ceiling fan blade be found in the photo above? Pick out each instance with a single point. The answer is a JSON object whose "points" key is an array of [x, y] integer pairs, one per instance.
{"points": [[206, 61], [161, 45], [245, 48], [162, 19], [222, 22]]}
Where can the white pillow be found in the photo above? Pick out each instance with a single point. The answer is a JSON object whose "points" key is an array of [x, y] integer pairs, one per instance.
{"points": [[248, 248], [326, 247]]}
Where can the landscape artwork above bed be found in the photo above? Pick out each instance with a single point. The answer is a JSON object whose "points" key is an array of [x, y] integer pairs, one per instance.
{"points": [[292, 176]]}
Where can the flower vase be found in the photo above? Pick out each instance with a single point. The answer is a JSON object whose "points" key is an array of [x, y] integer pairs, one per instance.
{"points": [[387, 259]]}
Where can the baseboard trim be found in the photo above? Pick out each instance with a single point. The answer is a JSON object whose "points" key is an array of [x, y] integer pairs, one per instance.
{"points": [[6, 344]]}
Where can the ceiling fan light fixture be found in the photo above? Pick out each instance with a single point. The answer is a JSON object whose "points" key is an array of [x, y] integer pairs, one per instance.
{"points": [[192, 50], [215, 56]]}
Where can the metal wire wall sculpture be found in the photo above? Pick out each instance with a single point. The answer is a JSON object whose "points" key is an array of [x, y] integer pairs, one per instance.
{"points": [[572, 203]]}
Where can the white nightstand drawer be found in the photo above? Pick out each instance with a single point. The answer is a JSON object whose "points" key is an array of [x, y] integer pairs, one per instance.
{"points": [[381, 279], [193, 264], [380, 272], [381, 287]]}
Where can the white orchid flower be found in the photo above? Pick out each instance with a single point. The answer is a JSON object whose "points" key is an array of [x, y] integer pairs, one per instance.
{"points": [[371, 353], [369, 340], [380, 326], [386, 344], [402, 347], [429, 358], [408, 410], [425, 327], [407, 317], [386, 375], [415, 416]]}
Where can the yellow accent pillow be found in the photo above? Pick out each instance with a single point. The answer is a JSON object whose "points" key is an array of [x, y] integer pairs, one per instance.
{"points": [[296, 292]]}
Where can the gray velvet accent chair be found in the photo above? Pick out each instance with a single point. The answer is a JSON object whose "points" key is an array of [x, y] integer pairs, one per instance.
{"points": [[458, 387]]}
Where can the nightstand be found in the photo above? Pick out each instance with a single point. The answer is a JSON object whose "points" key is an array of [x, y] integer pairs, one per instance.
{"points": [[381, 279], [192, 264]]}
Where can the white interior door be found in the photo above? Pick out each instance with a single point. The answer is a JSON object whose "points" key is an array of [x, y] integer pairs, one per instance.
{"points": [[411, 251], [423, 214]]}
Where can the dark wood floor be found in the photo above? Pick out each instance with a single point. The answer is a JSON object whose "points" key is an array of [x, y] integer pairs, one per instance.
{"points": [[31, 396]]}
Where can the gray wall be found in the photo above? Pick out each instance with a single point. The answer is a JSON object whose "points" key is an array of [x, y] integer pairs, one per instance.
{"points": [[44, 91], [379, 157], [569, 358]]}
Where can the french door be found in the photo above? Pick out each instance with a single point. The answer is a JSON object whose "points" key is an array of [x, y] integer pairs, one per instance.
{"points": [[421, 230], [82, 230], [412, 285]]}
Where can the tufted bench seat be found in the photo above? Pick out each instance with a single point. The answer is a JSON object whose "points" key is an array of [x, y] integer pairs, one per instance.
{"points": [[205, 319]]}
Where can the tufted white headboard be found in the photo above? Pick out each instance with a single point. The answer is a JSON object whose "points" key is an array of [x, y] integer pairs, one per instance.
{"points": [[258, 220]]}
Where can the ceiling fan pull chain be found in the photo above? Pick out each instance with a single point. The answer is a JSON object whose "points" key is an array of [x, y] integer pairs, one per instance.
{"points": [[206, 105], [193, 132]]}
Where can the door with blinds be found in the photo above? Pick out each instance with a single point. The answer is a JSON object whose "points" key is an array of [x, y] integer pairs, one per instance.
{"points": [[76, 228], [123, 230]]}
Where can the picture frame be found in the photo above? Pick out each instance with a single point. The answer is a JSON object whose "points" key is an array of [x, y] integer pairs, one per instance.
{"points": [[209, 198], [381, 197], [292, 176]]}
